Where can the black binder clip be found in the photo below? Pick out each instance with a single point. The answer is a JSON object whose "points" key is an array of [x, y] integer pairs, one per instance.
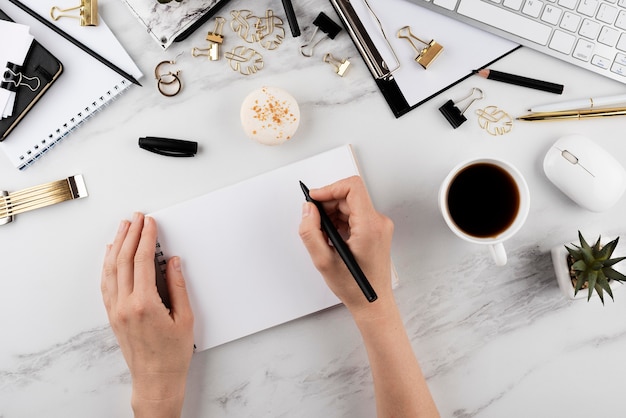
{"points": [[88, 12], [169, 147], [326, 25], [453, 114]]}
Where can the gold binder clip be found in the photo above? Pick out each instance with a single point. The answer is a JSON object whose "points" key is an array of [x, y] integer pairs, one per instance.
{"points": [[88, 12], [215, 39], [425, 56], [341, 66]]}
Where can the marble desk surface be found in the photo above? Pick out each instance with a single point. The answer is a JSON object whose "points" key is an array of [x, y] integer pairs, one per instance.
{"points": [[493, 341]]}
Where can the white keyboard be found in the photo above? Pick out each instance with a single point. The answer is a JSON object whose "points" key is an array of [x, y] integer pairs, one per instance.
{"points": [[587, 33]]}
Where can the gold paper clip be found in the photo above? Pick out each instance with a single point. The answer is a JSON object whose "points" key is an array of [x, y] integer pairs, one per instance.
{"points": [[425, 56], [88, 12], [215, 39], [341, 66]]}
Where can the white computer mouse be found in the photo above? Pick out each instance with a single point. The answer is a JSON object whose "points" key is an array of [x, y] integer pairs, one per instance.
{"points": [[585, 172]]}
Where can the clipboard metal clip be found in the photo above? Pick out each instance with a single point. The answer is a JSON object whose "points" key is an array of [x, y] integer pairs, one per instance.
{"points": [[373, 59], [88, 12], [425, 56]]}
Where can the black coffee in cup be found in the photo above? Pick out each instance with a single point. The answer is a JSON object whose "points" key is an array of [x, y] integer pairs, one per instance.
{"points": [[483, 200]]}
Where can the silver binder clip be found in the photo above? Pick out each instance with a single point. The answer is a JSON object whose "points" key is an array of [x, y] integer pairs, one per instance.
{"points": [[215, 39], [326, 25], [88, 12], [425, 56], [341, 66], [5, 215], [453, 114], [13, 75]]}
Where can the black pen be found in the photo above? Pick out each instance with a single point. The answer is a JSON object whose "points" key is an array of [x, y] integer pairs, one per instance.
{"points": [[291, 18], [76, 42], [519, 80], [342, 248]]}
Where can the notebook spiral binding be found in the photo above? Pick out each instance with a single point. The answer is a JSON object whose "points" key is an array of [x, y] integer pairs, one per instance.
{"points": [[42, 146]]}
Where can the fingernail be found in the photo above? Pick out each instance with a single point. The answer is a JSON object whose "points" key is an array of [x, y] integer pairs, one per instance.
{"points": [[136, 216], [122, 226], [306, 209], [176, 263]]}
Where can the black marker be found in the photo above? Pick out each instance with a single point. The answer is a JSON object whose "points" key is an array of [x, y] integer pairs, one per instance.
{"points": [[169, 147], [342, 248]]}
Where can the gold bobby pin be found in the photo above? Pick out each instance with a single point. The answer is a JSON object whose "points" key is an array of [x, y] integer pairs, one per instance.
{"points": [[88, 12], [425, 56], [40, 196]]}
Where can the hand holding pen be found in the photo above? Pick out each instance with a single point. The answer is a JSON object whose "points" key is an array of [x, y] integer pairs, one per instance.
{"points": [[348, 204]]}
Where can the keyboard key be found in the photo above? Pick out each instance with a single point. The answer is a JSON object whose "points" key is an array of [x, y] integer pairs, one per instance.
{"points": [[497, 17], [620, 59], [589, 29], [562, 42], [606, 13], [513, 4], [570, 21], [570, 4], [601, 62], [619, 69], [621, 20], [583, 50], [551, 14], [588, 7], [532, 8], [621, 44], [608, 36], [446, 4]]}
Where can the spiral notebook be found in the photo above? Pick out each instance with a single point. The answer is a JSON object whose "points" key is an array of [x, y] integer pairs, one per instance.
{"points": [[86, 87]]}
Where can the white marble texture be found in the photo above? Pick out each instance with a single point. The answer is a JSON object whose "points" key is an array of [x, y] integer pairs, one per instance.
{"points": [[493, 341]]}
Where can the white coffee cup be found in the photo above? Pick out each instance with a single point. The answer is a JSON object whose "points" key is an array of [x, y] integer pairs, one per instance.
{"points": [[485, 201]]}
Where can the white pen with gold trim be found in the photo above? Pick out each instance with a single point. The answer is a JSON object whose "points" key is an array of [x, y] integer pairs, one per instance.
{"points": [[586, 103]]}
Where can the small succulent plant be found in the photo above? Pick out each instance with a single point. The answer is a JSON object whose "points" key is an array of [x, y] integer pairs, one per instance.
{"points": [[592, 267]]}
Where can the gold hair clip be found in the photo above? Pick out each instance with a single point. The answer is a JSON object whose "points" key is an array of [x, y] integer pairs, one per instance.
{"points": [[88, 14], [425, 56], [341, 66], [245, 60], [240, 25], [40, 196], [270, 31], [495, 121]]}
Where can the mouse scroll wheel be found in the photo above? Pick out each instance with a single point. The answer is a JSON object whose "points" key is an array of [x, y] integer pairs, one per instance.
{"points": [[569, 156]]}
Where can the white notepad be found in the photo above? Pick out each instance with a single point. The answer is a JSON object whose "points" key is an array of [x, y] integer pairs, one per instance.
{"points": [[84, 88], [245, 265]]}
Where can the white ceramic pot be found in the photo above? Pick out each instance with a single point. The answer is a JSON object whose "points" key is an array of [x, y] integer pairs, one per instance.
{"points": [[559, 260]]}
